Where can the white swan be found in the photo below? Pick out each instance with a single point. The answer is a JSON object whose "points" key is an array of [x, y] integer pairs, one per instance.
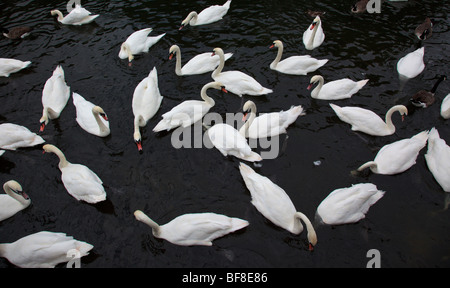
{"points": [[43, 250], [208, 15], [77, 16], [88, 116], [398, 156], [411, 64], [268, 124], [230, 142], [367, 121], [138, 42], [9, 66], [13, 201], [146, 102], [445, 107], [348, 205], [273, 202], [313, 37], [237, 82], [55, 95], [80, 181], [13, 136], [438, 159], [294, 65], [335, 90], [193, 228], [190, 111], [199, 64]]}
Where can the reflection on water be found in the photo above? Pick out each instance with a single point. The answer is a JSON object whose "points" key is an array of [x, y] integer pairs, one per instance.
{"points": [[166, 182]]}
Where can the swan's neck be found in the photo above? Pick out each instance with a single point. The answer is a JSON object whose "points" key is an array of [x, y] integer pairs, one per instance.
{"points": [[3, 249], [62, 159], [156, 229], [101, 125], [127, 50], [178, 62], [370, 164], [205, 96], [433, 90], [24, 202], [389, 123], [137, 124], [221, 65], [249, 120], [312, 237], [316, 90], [313, 35], [278, 58], [60, 15], [192, 18]]}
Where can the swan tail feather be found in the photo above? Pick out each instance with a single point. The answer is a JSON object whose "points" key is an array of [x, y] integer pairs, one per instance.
{"points": [[362, 83], [252, 157]]}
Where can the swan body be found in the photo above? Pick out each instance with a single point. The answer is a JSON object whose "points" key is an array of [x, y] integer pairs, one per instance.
{"points": [[335, 90], [208, 15], [90, 117], [368, 122], [348, 205], [77, 16], [398, 156], [13, 201], [237, 82], [193, 228], [411, 64], [55, 95], [424, 30], [80, 181], [9, 66], [274, 204], [294, 65], [313, 37], [13, 136], [17, 32], [445, 107], [190, 111], [425, 98], [438, 159], [137, 43], [43, 250], [146, 102], [199, 64], [230, 142], [268, 124]]}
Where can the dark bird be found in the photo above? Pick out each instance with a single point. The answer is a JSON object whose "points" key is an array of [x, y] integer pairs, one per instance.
{"points": [[315, 13], [360, 6], [424, 30], [425, 98], [17, 32]]}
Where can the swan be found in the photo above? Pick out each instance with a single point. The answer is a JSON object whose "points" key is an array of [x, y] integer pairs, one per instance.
{"points": [[366, 121], [335, 90], [9, 66], [17, 32], [55, 95], [193, 228], [199, 64], [90, 117], [348, 205], [294, 65], [274, 204], [77, 16], [313, 37], [425, 98], [424, 30], [190, 111], [398, 156], [268, 124], [146, 102], [445, 107], [208, 15], [138, 42], [229, 141], [15, 136], [80, 181], [411, 64], [438, 159], [43, 249], [13, 201], [237, 82]]}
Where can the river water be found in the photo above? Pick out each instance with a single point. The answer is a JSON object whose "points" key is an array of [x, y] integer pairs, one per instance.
{"points": [[409, 226]]}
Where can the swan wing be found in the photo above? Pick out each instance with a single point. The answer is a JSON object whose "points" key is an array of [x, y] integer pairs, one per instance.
{"points": [[13, 136], [9, 66], [240, 83], [438, 159], [445, 107], [361, 119], [147, 97], [82, 183], [339, 89], [212, 14], [300, 65], [56, 93], [202, 63], [85, 118], [9, 206], [79, 16], [412, 63]]}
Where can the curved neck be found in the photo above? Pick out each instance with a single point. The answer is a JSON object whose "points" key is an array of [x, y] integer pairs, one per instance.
{"points": [[250, 119], [205, 96], [221, 64], [100, 123], [19, 198], [313, 34], [316, 90], [62, 159], [312, 237], [192, 18], [389, 113], [60, 15], [178, 62], [156, 229], [278, 58], [433, 90], [370, 164]]}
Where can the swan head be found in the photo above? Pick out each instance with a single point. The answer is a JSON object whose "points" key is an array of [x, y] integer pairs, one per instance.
{"points": [[43, 122], [247, 108], [276, 43], [312, 239], [125, 49], [16, 188], [314, 79], [315, 22], [217, 51], [186, 21], [138, 141], [403, 111], [100, 111], [173, 51]]}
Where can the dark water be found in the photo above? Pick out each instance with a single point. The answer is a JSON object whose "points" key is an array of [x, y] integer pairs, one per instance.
{"points": [[409, 225]]}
